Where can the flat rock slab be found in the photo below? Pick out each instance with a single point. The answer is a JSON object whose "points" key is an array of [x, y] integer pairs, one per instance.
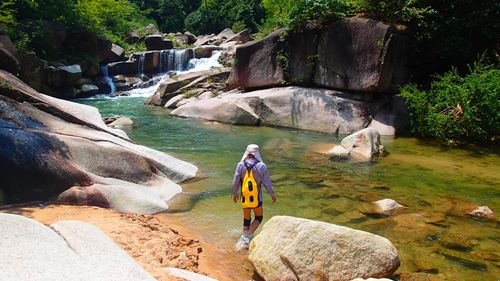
{"points": [[293, 107], [67, 250]]}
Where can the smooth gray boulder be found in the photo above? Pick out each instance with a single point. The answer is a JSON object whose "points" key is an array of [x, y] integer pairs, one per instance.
{"points": [[67, 250], [293, 107], [53, 145], [290, 248]]}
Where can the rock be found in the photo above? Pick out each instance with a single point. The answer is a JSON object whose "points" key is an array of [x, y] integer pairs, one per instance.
{"points": [[242, 37], [170, 88], [125, 83], [384, 207], [187, 275], [9, 59], [392, 118], [205, 51], [181, 38], [293, 107], [151, 29], [70, 74], [226, 33], [254, 67], [482, 212], [90, 68], [358, 54], [302, 46], [123, 67], [372, 279], [117, 53], [32, 72], [362, 144], [289, 248], [133, 37], [191, 37], [172, 103], [67, 250], [156, 42], [208, 40], [186, 101], [206, 96], [88, 90], [353, 54], [339, 151], [91, 44], [53, 145], [122, 122]]}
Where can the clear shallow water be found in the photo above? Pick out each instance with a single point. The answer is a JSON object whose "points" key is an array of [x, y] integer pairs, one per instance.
{"points": [[433, 182]]}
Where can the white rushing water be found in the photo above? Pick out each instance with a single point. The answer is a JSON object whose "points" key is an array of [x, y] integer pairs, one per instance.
{"points": [[175, 59]]}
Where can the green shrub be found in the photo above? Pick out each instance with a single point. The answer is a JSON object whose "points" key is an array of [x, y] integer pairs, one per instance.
{"points": [[457, 109]]}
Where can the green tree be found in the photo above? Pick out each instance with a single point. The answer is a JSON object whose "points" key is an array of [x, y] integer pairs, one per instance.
{"points": [[457, 108]]}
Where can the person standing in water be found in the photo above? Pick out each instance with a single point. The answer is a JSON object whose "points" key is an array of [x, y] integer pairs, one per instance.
{"points": [[250, 174]]}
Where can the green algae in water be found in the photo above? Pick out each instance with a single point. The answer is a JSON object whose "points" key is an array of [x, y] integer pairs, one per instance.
{"points": [[427, 179]]}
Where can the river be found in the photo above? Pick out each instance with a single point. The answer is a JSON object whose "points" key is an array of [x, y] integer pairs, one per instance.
{"points": [[434, 183]]}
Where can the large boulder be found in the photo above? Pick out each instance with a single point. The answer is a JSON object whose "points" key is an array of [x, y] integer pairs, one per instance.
{"points": [[362, 144], [259, 64], [358, 54], [156, 42], [354, 55], [116, 53], [124, 67], [50, 145], [294, 107], [291, 248], [67, 250], [9, 60]]}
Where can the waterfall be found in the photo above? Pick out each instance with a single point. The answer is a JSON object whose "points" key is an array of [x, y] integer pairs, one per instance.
{"points": [[141, 64], [173, 60], [109, 81]]}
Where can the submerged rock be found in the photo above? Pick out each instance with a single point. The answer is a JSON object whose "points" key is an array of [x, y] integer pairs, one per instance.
{"points": [[67, 250], [51, 145], [362, 144], [291, 248], [482, 212]]}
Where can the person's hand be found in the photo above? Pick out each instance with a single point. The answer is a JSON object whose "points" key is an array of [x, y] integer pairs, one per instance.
{"points": [[235, 198], [273, 197]]}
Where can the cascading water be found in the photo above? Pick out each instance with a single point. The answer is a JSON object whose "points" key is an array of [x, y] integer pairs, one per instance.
{"points": [[205, 63], [140, 68], [109, 81]]}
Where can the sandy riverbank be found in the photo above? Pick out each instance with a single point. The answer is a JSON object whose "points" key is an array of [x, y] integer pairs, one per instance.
{"points": [[153, 242]]}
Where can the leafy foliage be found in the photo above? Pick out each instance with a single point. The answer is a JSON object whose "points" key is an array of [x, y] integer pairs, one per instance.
{"points": [[456, 108], [215, 15]]}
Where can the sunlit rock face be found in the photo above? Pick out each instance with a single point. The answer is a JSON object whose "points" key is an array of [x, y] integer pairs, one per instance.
{"points": [[50, 146]]}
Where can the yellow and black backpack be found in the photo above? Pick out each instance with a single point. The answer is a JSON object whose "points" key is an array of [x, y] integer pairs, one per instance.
{"points": [[249, 191]]}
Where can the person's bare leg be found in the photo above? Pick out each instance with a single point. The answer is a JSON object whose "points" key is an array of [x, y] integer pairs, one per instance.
{"points": [[258, 212], [247, 216]]}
